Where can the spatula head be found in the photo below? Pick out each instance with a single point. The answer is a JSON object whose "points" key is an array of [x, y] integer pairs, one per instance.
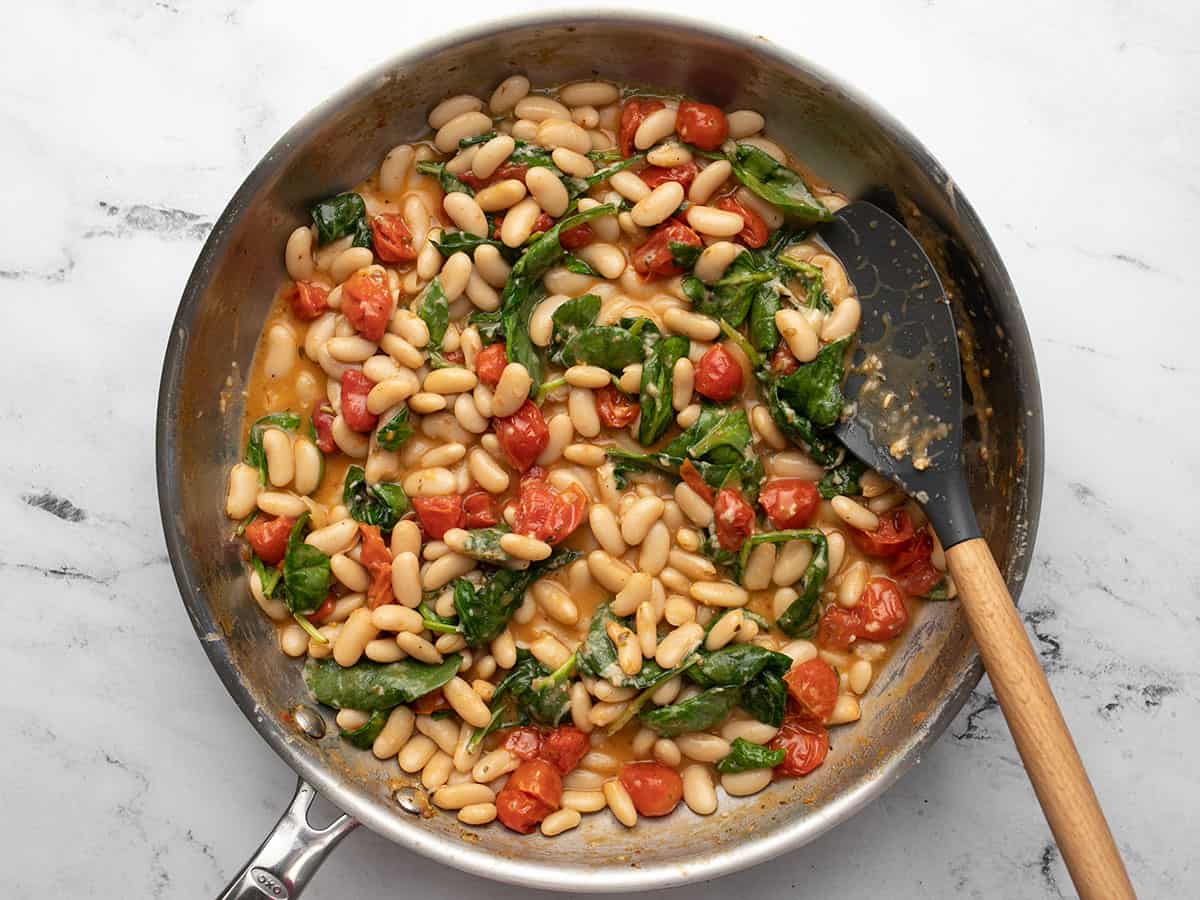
{"points": [[905, 386]]}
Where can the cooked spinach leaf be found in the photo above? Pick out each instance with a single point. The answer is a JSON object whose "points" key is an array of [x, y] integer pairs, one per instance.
{"points": [[799, 619], [597, 656], [751, 274], [573, 263], [699, 713], [684, 255], [255, 455], [465, 242], [382, 504], [434, 309], [765, 698], [268, 576], [842, 479], [607, 346], [372, 686], [744, 755], [657, 412], [490, 326], [814, 390], [448, 180], [338, 216], [777, 184], [484, 544], [813, 280], [395, 431], [484, 611], [528, 693], [736, 665], [570, 319], [305, 572], [364, 735]]}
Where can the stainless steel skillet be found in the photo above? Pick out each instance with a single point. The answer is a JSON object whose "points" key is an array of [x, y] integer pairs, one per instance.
{"points": [[848, 142]]}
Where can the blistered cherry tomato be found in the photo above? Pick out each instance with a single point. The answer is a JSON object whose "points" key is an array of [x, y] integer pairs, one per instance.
{"points": [[653, 259], [805, 743], [439, 514], [355, 387], [490, 363], [545, 514], [814, 686], [839, 628], [539, 779], [633, 113], [479, 509], [755, 232], [324, 611], [509, 171], [895, 533], [367, 302], [378, 560], [654, 788], [790, 502], [393, 241], [912, 569], [269, 537], [685, 174], [542, 224], [701, 125], [579, 236], [322, 420], [524, 742], [523, 435], [308, 300], [733, 517], [718, 377], [882, 610], [520, 812], [564, 747], [615, 408]]}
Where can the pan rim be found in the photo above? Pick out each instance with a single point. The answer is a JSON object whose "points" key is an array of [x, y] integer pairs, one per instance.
{"points": [[363, 806]]}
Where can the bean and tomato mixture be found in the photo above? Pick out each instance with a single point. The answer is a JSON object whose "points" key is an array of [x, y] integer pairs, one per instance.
{"points": [[539, 476]]}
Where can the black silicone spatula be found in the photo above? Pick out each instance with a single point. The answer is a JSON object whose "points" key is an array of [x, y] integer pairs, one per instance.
{"points": [[905, 421]]}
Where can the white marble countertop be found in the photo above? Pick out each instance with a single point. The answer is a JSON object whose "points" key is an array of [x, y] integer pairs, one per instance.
{"points": [[127, 125]]}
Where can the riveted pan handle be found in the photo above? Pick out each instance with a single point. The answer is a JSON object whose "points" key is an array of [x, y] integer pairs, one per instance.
{"points": [[291, 854]]}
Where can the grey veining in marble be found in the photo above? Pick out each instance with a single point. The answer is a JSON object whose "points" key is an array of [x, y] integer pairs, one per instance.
{"points": [[126, 126]]}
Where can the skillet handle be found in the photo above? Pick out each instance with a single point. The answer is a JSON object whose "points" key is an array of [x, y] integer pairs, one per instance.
{"points": [[290, 855], [1037, 726]]}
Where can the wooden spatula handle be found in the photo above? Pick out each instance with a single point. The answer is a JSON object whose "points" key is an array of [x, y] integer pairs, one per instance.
{"points": [[1037, 726]]}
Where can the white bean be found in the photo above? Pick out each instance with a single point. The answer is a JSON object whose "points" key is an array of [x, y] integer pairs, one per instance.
{"points": [[562, 133], [743, 784], [698, 791], [511, 391], [743, 123], [710, 178], [691, 325], [655, 127], [719, 593], [547, 190], [843, 321], [538, 109], [350, 261], [581, 407], [501, 195], [507, 94], [518, 222], [629, 186], [298, 255], [395, 168], [800, 337], [589, 93], [714, 222], [464, 125], [660, 203], [492, 154], [465, 213]]}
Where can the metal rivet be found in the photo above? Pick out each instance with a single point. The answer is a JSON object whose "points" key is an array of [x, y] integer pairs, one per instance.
{"points": [[406, 799], [309, 721]]}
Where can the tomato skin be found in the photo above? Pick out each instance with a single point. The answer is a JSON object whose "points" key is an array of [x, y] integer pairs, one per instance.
{"points": [[718, 377], [545, 514], [755, 233], [523, 435], [701, 125], [519, 812], [692, 478], [653, 259], [913, 569], [378, 560], [427, 704], [814, 687], [355, 387], [564, 747], [615, 408], [269, 538], [510, 170], [439, 514], [839, 628], [654, 788], [308, 300], [804, 742], [392, 239], [882, 610], [367, 302], [542, 223], [479, 510], [894, 534], [685, 174], [490, 363], [322, 420], [782, 360], [733, 517], [524, 742], [790, 502], [579, 236], [323, 611], [538, 779], [633, 113]]}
